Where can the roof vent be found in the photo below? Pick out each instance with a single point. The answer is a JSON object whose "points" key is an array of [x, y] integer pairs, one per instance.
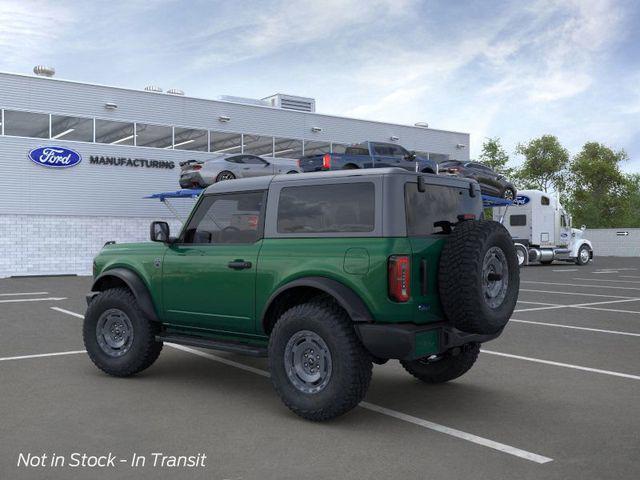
{"points": [[175, 91], [43, 71], [291, 102], [244, 100], [422, 124], [153, 88]]}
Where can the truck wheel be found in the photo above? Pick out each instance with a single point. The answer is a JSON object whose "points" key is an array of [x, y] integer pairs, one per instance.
{"points": [[318, 366], [509, 194], [522, 253], [584, 255], [119, 339], [478, 277], [445, 367]]}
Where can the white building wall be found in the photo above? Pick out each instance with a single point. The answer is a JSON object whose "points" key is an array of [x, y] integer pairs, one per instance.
{"points": [[58, 245], [611, 242]]}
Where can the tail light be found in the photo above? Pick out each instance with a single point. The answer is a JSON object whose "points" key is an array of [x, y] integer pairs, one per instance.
{"points": [[399, 278], [326, 161], [298, 162], [453, 170]]}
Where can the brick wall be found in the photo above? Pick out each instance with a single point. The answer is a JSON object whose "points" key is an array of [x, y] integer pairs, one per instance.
{"points": [[53, 245]]}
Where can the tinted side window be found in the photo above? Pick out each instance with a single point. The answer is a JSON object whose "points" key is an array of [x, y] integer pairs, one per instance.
{"points": [[253, 160], [544, 201], [357, 151], [227, 218], [347, 207], [518, 220], [425, 209], [238, 159]]}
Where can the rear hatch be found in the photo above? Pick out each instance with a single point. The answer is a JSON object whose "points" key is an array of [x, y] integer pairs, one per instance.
{"points": [[430, 215]]}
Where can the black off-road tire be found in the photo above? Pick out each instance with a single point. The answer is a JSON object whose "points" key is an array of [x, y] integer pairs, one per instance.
{"points": [[463, 282], [144, 349], [351, 363], [446, 368]]}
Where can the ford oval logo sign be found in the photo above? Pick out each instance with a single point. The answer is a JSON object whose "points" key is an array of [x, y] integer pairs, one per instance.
{"points": [[55, 157], [521, 200]]}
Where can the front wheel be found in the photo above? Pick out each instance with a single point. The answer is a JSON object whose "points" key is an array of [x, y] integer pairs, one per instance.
{"points": [[584, 255], [445, 367], [119, 339], [509, 194], [318, 366]]}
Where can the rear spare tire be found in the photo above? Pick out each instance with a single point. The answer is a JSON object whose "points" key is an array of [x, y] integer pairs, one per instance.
{"points": [[478, 277]]}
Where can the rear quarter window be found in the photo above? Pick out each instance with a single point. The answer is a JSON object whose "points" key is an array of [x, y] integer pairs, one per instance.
{"points": [[425, 209], [338, 208]]}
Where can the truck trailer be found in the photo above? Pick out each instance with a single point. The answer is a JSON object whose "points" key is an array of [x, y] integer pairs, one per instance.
{"points": [[541, 230]]}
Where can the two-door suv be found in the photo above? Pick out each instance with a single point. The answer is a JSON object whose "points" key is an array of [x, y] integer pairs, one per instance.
{"points": [[324, 273]]}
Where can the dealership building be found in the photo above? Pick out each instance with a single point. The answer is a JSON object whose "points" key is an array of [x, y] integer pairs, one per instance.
{"points": [[120, 145]]}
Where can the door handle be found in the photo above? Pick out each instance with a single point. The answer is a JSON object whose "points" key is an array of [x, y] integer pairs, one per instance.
{"points": [[239, 265]]}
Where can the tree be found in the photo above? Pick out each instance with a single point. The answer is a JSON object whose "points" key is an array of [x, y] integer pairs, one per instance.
{"points": [[494, 156], [600, 194], [545, 164]]}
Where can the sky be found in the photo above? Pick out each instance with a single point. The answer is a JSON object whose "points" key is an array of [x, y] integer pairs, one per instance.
{"points": [[509, 69]]}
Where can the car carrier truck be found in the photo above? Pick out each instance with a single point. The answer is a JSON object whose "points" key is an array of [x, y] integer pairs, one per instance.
{"points": [[541, 230]]}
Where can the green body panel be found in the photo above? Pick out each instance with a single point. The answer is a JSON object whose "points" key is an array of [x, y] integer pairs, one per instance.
{"points": [[195, 291], [427, 343]]}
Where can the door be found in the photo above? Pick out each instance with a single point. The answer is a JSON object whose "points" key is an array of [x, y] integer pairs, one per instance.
{"points": [[208, 276], [254, 166], [565, 229]]}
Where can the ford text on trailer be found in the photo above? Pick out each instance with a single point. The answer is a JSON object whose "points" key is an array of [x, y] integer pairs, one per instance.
{"points": [[541, 230]]}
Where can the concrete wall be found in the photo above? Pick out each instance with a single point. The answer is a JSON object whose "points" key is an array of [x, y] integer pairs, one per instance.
{"points": [[611, 242]]}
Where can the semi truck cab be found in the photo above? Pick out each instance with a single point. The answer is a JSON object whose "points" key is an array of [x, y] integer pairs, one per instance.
{"points": [[542, 230]]}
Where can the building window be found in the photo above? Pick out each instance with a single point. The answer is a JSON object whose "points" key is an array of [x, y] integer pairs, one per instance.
{"points": [[190, 139], [115, 133], [338, 148], [316, 148], [287, 148], [157, 136], [544, 200], [339, 208], [225, 142], [71, 128], [26, 124], [257, 145]]}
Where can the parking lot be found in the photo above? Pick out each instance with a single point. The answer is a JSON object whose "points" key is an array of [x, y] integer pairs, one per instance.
{"points": [[556, 396]]}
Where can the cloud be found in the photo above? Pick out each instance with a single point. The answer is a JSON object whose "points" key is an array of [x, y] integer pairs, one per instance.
{"points": [[30, 29]]}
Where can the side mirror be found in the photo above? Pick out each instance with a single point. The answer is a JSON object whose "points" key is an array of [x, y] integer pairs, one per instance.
{"points": [[410, 156], [159, 232]]}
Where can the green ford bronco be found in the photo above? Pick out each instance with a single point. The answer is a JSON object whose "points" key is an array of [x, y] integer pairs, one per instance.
{"points": [[323, 273]]}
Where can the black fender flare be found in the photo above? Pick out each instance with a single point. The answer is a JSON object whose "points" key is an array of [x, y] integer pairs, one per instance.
{"points": [[344, 295], [135, 284]]}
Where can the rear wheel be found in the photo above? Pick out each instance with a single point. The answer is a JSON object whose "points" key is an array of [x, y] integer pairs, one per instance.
{"points": [[225, 175], [444, 367], [521, 253], [318, 366], [509, 194], [119, 339]]}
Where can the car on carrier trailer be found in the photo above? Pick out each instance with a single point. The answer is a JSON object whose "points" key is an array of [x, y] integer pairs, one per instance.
{"points": [[541, 230], [324, 273]]}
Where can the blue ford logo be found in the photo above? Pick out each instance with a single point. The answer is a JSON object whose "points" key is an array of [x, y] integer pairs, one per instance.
{"points": [[55, 157], [521, 200]]}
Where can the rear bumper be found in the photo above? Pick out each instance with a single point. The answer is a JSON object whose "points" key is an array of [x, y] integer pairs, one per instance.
{"points": [[191, 179], [409, 341]]}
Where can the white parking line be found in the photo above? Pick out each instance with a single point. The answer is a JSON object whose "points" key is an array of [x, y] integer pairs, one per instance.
{"points": [[539, 303], [27, 293], [629, 276], [533, 457], [62, 310], [598, 330], [567, 270], [565, 365], [576, 293], [41, 355], [48, 299], [581, 285], [606, 280], [581, 305], [608, 309]]}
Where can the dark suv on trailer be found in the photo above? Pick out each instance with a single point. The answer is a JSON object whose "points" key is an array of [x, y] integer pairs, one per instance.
{"points": [[324, 273]]}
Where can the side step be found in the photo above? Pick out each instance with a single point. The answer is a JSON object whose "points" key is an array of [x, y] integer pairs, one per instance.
{"points": [[230, 346]]}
